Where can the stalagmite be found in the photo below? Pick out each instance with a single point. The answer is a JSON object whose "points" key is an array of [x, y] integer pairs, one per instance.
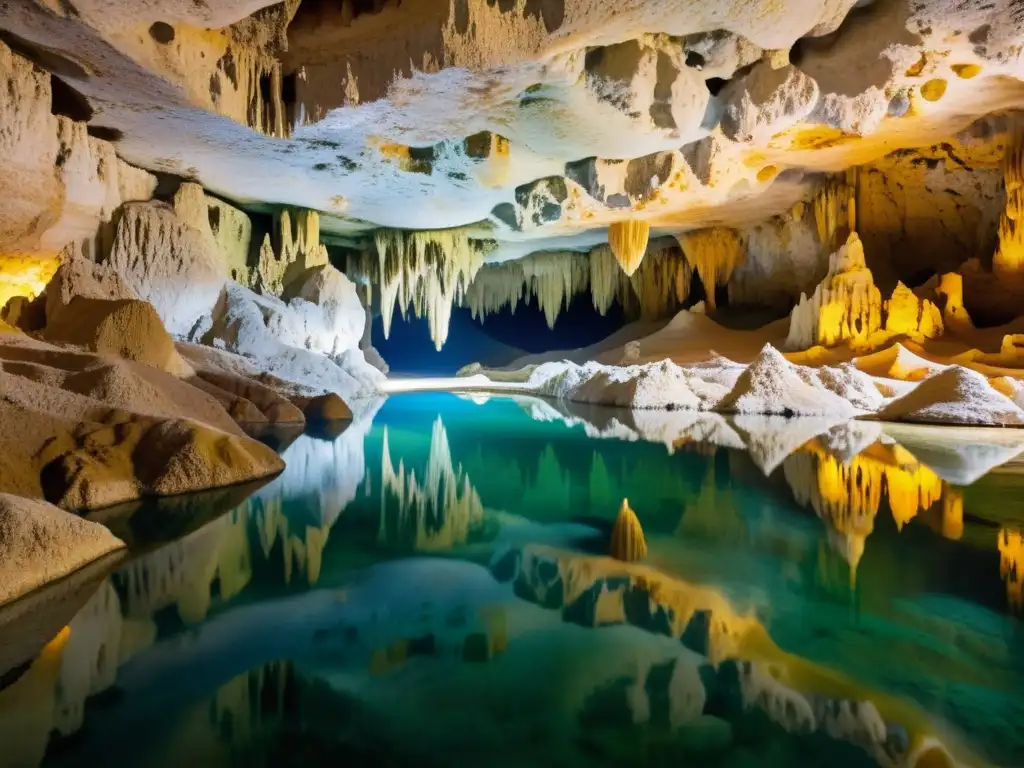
{"points": [[908, 315], [714, 253], [846, 305], [628, 543], [628, 241], [429, 270], [1008, 260]]}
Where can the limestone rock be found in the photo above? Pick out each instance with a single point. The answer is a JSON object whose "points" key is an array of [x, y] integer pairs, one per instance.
{"points": [[40, 543], [908, 315], [76, 276], [126, 328], [327, 299], [766, 102], [272, 406], [327, 407], [628, 543], [168, 263]]}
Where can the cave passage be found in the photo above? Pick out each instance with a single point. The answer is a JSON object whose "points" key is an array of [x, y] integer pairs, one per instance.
{"points": [[500, 339]]}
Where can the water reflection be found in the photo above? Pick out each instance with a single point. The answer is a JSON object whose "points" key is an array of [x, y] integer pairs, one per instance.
{"points": [[430, 586]]}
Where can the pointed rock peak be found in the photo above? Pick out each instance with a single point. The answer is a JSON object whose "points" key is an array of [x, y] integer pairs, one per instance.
{"points": [[956, 395], [628, 241], [628, 543], [850, 257]]}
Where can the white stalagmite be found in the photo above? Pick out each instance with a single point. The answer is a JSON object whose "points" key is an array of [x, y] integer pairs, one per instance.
{"points": [[429, 270], [714, 253]]}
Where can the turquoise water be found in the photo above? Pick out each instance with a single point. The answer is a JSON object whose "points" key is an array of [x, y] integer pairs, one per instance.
{"points": [[432, 587]]}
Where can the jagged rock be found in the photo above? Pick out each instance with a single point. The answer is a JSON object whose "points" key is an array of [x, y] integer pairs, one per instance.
{"points": [[337, 322], [168, 263], [272, 406], [906, 314], [766, 102], [40, 543], [77, 276], [126, 328]]}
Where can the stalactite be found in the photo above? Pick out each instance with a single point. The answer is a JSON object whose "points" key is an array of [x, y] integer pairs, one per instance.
{"points": [[553, 278], [662, 283], [1009, 257], [427, 270], [714, 253], [604, 278], [831, 204], [628, 241]]}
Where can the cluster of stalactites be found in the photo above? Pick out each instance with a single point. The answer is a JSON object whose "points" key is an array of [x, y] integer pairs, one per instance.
{"points": [[658, 287], [553, 278], [835, 209], [714, 253], [1009, 257], [428, 271]]}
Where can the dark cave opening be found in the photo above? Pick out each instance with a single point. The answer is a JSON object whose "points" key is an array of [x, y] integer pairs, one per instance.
{"points": [[501, 338]]}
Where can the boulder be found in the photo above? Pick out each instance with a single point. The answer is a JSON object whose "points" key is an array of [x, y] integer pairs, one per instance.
{"points": [[40, 543], [127, 328]]}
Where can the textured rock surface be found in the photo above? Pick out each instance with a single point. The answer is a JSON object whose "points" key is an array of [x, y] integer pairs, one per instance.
{"points": [[40, 543]]}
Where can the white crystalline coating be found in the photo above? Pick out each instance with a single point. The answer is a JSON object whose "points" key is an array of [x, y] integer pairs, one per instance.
{"points": [[956, 395]]}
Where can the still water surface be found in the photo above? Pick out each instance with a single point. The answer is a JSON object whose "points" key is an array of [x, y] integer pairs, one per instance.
{"points": [[430, 587]]}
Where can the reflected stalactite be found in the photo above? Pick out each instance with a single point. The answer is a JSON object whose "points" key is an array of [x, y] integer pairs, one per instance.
{"points": [[183, 573], [848, 495], [1011, 567], [1008, 261], [436, 513]]}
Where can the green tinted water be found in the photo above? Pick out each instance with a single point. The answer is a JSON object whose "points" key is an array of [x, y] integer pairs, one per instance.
{"points": [[430, 588]]}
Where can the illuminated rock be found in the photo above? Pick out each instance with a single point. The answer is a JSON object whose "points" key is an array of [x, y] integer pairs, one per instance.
{"points": [[1008, 261], [714, 254], [628, 543], [628, 241], [1011, 566], [846, 306], [907, 315]]}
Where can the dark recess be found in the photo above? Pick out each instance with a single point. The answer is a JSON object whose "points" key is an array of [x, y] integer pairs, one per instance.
{"points": [[105, 133], [65, 101], [43, 57], [162, 32]]}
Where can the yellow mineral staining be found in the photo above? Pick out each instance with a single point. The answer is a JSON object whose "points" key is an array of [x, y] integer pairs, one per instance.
{"points": [[1011, 567], [966, 71], [846, 305], [496, 163], [428, 270], [435, 513], [934, 89], [25, 275], [552, 278], [767, 173], [952, 513], [907, 315], [628, 241], [1008, 260], [831, 211], [954, 315], [816, 137], [628, 543], [294, 248], [917, 67], [714, 253]]}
